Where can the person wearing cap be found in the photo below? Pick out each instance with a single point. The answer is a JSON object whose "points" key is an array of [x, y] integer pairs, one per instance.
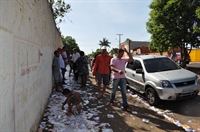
{"points": [[117, 65], [75, 56], [62, 64], [102, 70]]}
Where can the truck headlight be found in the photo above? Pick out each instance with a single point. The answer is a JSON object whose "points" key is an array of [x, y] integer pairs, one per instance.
{"points": [[165, 83]]}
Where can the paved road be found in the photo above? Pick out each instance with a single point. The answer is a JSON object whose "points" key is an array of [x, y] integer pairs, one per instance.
{"points": [[186, 111], [194, 64], [194, 67]]}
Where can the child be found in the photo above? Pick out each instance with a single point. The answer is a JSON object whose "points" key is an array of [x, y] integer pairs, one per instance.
{"points": [[74, 102], [56, 71]]}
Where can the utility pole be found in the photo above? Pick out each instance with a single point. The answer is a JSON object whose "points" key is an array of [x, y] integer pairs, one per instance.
{"points": [[119, 39]]}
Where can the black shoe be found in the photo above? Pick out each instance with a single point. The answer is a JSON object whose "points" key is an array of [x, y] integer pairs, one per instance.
{"points": [[127, 108]]}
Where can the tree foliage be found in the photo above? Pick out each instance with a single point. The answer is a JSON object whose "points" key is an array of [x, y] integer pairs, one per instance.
{"points": [[98, 51], [70, 43], [198, 12], [104, 42], [172, 23], [60, 8], [197, 27], [114, 51]]}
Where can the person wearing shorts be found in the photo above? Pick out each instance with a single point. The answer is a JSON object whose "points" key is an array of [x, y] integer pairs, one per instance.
{"points": [[102, 71], [56, 71]]}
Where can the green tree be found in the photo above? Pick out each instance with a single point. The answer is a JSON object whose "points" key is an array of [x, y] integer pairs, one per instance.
{"points": [[104, 42], [94, 52], [70, 43], [197, 27], [171, 24], [91, 54], [114, 51], [60, 8]]}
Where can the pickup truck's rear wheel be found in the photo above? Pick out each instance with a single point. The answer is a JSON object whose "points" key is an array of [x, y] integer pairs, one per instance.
{"points": [[152, 96]]}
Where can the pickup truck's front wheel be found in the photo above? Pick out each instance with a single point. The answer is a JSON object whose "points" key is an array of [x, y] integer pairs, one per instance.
{"points": [[152, 96]]}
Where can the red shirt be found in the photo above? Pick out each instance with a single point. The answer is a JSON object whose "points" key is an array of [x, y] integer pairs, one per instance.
{"points": [[102, 64]]}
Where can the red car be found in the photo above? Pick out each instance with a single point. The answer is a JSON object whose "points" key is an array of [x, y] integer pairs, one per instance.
{"points": [[177, 59]]}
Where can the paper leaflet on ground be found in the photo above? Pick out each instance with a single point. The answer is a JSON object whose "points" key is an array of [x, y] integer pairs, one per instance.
{"points": [[55, 119]]}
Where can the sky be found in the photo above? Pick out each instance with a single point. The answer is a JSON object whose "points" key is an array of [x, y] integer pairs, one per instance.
{"points": [[92, 20]]}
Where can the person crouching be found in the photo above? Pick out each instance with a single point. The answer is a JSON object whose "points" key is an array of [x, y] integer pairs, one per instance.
{"points": [[74, 102]]}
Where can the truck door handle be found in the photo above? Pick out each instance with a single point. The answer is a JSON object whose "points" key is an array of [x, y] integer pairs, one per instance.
{"points": [[133, 75]]}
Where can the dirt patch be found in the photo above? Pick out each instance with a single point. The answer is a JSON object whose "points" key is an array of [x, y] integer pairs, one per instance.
{"points": [[131, 121]]}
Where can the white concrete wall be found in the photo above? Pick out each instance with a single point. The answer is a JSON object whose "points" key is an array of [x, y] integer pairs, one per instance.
{"points": [[28, 38]]}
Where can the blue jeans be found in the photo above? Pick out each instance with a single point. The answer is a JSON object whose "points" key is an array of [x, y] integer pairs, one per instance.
{"points": [[122, 83]]}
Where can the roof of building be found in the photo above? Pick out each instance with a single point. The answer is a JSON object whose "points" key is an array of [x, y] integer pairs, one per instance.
{"points": [[135, 44]]}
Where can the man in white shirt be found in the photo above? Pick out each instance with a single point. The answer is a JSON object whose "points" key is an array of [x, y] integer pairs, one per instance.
{"points": [[62, 65], [75, 56]]}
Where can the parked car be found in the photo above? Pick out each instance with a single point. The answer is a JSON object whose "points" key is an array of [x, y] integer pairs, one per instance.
{"points": [[177, 59], [160, 78]]}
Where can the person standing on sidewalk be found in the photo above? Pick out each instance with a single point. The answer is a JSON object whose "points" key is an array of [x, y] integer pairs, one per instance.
{"points": [[102, 70], [75, 56], [70, 65], [173, 54], [82, 67], [64, 55], [118, 67], [56, 71], [62, 65]]}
